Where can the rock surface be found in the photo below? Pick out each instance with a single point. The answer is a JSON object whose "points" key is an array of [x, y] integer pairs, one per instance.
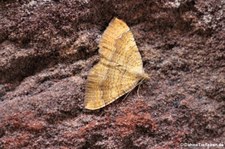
{"points": [[47, 48]]}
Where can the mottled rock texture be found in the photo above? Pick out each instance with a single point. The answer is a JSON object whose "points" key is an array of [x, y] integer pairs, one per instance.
{"points": [[47, 48]]}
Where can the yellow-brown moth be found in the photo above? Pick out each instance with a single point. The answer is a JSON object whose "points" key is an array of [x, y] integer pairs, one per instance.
{"points": [[119, 70]]}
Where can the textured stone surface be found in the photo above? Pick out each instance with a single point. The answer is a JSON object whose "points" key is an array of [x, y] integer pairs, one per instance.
{"points": [[47, 48]]}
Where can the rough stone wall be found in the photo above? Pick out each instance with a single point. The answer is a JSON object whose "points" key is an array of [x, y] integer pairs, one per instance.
{"points": [[47, 48]]}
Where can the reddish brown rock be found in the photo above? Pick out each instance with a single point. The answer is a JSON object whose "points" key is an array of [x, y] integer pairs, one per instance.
{"points": [[48, 47]]}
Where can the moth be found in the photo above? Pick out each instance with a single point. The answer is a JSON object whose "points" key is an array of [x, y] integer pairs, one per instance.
{"points": [[119, 70]]}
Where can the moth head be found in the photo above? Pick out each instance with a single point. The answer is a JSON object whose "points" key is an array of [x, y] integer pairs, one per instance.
{"points": [[145, 76], [142, 75]]}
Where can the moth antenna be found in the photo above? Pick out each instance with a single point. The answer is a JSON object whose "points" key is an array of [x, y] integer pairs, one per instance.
{"points": [[127, 94], [139, 84], [138, 90]]}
